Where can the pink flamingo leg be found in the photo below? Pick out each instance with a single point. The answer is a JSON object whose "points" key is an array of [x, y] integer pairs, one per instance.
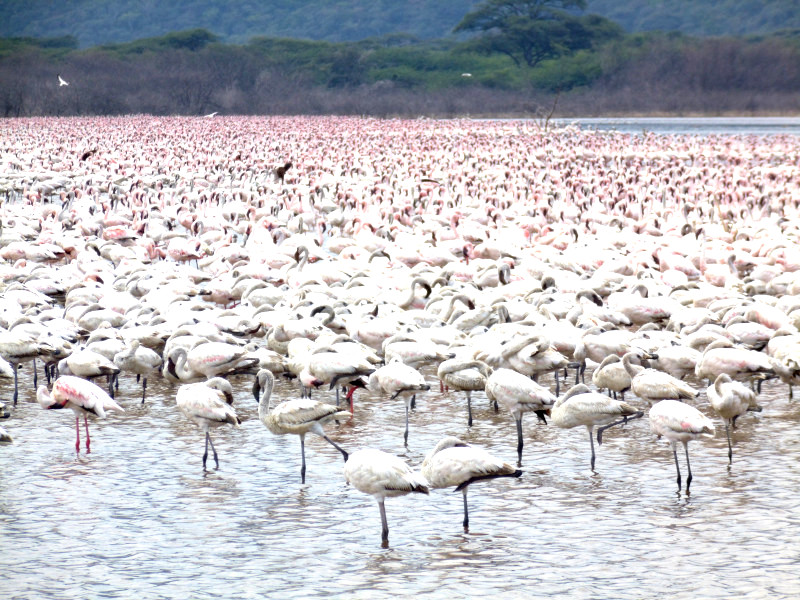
{"points": [[350, 397], [88, 440], [77, 434]]}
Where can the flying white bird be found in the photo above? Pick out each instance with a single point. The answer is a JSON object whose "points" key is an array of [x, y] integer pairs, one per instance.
{"points": [[210, 115], [61, 81]]}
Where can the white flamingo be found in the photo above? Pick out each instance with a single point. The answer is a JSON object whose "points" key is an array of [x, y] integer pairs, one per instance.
{"points": [[330, 366], [730, 400], [519, 395], [611, 375], [140, 360], [382, 475], [653, 385], [399, 379], [581, 406], [466, 376], [83, 397], [17, 348], [298, 416], [679, 422], [455, 463], [206, 404]]}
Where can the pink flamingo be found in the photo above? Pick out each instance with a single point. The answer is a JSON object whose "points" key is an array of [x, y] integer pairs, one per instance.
{"points": [[83, 397]]}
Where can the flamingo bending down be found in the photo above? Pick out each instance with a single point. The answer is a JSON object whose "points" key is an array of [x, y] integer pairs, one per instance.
{"points": [[299, 416], [206, 404], [581, 406], [382, 475], [456, 463], [730, 400], [519, 395], [140, 360], [83, 397], [679, 422], [465, 375]]}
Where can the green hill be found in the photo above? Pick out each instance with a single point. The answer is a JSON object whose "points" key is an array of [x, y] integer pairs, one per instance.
{"points": [[95, 22]]}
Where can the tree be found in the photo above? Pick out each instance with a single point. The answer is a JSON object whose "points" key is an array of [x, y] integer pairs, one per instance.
{"points": [[528, 31]]}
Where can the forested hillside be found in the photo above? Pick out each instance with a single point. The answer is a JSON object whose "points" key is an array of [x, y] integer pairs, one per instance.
{"points": [[95, 22]]}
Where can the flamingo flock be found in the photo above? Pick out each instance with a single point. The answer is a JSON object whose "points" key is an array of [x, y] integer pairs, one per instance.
{"points": [[487, 259]]}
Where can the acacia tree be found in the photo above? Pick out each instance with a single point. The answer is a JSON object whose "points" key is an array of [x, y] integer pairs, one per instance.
{"points": [[528, 31]]}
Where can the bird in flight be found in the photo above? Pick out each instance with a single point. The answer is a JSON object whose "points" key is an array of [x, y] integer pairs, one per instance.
{"points": [[213, 114], [466, 74], [61, 81]]}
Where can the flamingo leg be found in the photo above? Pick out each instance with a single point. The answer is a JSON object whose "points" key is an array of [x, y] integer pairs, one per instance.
{"points": [[16, 393], [558, 384], [384, 525], [77, 434], [88, 439], [469, 408], [405, 435], [730, 449], [677, 468], [350, 396], [623, 420], [466, 511], [205, 454], [688, 467], [519, 440], [35, 375], [144, 388], [335, 445], [213, 450], [303, 453], [591, 442], [413, 401]]}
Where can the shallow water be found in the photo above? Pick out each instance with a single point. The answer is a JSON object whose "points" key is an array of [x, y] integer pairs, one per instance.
{"points": [[138, 517], [689, 125]]}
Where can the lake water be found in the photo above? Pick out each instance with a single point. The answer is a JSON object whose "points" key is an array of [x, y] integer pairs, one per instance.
{"points": [[690, 125], [138, 517]]}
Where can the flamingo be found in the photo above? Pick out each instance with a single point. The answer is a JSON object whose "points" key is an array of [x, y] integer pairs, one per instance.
{"points": [[519, 395], [140, 360], [206, 360], [464, 375], [5, 437], [456, 463], [206, 404], [652, 385], [399, 379], [83, 397], [17, 348], [730, 400], [611, 375], [679, 422], [581, 406], [298, 416], [382, 475], [330, 366]]}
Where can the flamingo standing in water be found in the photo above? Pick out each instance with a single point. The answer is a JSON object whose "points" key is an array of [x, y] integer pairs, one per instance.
{"points": [[83, 397], [465, 375], [456, 463], [299, 416], [382, 475], [581, 406], [399, 379], [519, 395], [207, 405], [679, 422], [730, 400]]}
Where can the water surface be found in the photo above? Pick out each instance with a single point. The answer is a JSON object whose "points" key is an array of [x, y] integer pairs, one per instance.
{"points": [[138, 517]]}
